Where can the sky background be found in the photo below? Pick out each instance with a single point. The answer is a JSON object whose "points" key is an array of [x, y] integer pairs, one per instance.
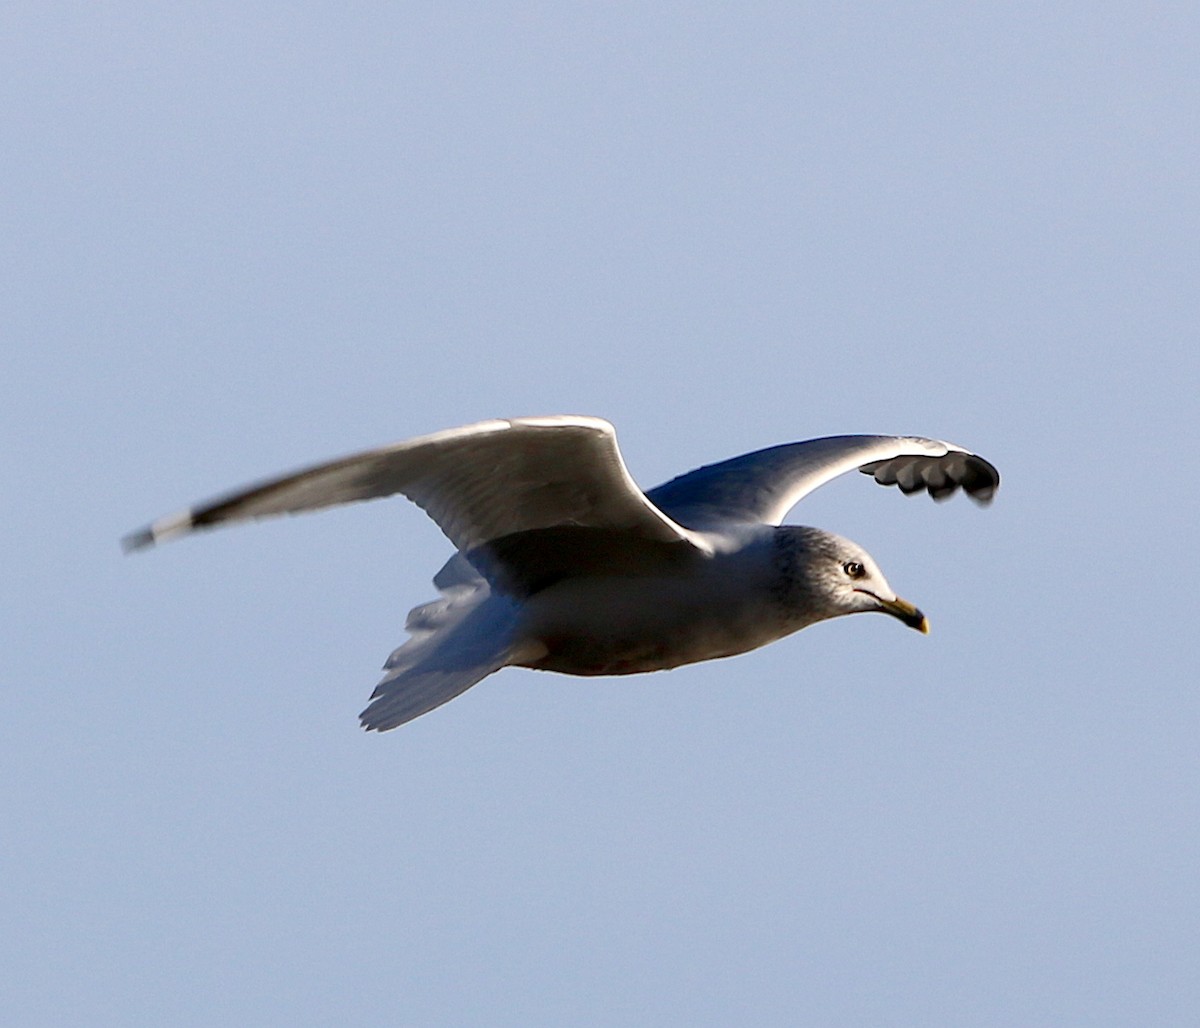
{"points": [[238, 238]]}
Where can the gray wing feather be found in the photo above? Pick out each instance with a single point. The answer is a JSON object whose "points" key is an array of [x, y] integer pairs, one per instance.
{"points": [[478, 483], [763, 486]]}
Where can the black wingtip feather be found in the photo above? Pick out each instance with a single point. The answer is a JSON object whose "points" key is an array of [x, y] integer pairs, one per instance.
{"points": [[941, 477]]}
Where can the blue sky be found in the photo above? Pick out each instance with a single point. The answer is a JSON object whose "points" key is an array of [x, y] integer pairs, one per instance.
{"points": [[238, 239]]}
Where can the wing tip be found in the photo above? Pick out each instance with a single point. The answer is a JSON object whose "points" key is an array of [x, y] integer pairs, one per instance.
{"points": [[142, 539], [960, 469], [160, 531]]}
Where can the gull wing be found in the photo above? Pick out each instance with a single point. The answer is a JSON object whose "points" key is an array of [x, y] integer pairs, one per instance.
{"points": [[763, 486], [479, 483]]}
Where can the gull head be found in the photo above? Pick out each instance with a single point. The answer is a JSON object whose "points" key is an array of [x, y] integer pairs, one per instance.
{"points": [[825, 576]]}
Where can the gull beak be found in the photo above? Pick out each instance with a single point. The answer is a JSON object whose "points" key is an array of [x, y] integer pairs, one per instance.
{"points": [[906, 612]]}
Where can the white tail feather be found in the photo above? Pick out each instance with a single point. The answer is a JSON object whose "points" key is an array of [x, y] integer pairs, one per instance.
{"points": [[456, 641]]}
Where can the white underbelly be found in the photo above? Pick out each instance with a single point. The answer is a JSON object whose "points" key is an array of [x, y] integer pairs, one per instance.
{"points": [[612, 626]]}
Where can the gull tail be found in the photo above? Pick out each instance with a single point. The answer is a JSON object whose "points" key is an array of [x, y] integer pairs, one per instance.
{"points": [[457, 640]]}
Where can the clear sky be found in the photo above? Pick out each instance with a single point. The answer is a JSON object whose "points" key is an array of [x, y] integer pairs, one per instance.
{"points": [[238, 238]]}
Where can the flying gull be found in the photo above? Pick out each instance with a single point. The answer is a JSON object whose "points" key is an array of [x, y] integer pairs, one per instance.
{"points": [[565, 565]]}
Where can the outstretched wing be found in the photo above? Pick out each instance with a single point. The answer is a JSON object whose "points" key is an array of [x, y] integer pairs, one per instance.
{"points": [[763, 486], [478, 483]]}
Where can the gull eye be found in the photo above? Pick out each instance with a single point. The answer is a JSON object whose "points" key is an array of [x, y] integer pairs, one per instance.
{"points": [[854, 569]]}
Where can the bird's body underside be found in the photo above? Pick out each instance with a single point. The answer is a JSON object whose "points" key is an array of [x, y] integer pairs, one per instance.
{"points": [[626, 624], [565, 565]]}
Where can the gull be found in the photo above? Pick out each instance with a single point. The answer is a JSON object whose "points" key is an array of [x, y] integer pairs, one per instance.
{"points": [[564, 564]]}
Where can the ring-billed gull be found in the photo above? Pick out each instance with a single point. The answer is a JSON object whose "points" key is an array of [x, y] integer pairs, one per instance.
{"points": [[564, 564]]}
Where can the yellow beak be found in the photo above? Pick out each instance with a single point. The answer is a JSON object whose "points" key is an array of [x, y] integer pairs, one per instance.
{"points": [[907, 613]]}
